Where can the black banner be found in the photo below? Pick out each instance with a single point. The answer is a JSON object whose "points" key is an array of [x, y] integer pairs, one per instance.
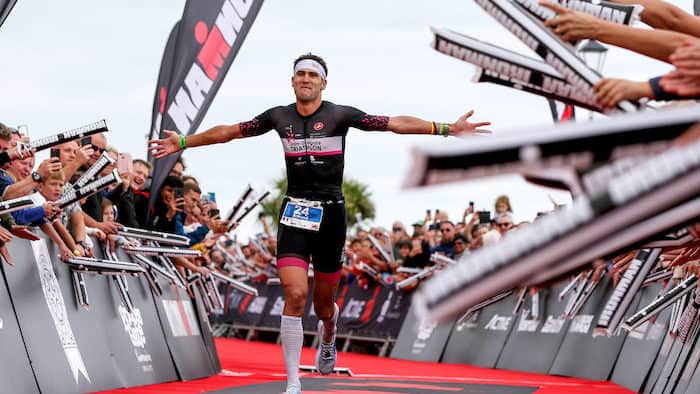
{"points": [[16, 372], [641, 346], [5, 8], [184, 334], [579, 343], [421, 340], [248, 310], [534, 343], [194, 65], [376, 312], [480, 339], [69, 351]]}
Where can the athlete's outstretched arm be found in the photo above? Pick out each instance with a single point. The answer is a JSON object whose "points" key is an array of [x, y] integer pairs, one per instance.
{"points": [[171, 143], [413, 125]]}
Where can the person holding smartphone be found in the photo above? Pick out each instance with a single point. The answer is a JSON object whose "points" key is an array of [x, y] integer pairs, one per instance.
{"points": [[313, 220], [166, 211]]}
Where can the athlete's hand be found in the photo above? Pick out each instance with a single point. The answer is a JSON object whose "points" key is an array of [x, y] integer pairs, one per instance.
{"points": [[462, 126], [165, 146]]}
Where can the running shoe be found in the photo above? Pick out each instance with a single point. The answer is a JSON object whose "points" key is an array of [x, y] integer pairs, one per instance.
{"points": [[293, 389], [325, 354]]}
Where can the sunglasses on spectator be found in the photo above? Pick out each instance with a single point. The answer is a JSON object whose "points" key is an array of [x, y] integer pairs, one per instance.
{"points": [[98, 149], [397, 229], [445, 230], [506, 224]]}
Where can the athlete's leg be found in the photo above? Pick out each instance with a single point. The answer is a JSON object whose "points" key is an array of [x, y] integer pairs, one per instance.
{"points": [[325, 289], [327, 268], [294, 280]]}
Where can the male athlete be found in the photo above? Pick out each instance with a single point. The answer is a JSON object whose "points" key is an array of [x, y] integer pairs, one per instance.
{"points": [[312, 220]]}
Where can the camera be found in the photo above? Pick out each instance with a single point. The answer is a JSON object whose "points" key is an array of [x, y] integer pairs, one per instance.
{"points": [[484, 217]]}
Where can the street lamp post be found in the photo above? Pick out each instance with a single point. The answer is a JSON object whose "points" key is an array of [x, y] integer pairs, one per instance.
{"points": [[593, 54]]}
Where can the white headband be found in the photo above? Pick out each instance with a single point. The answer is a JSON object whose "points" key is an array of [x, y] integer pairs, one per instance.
{"points": [[311, 64]]}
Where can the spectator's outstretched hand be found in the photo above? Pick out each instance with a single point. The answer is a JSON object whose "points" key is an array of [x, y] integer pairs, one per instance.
{"points": [[686, 57], [610, 91], [462, 126], [23, 232], [165, 146], [677, 82], [571, 25], [5, 236], [20, 151]]}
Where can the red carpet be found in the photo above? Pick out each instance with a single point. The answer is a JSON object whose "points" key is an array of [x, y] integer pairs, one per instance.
{"points": [[247, 363]]}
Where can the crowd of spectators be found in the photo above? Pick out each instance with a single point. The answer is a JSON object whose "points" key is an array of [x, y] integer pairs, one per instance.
{"points": [[396, 255], [180, 206]]}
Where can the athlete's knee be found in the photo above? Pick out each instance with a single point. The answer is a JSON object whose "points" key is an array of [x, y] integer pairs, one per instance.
{"points": [[295, 296]]}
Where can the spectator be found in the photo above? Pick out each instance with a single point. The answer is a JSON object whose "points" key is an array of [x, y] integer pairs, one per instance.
{"points": [[504, 223], [72, 157], [461, 244], [179, 168], [446, 245], [50, 189], [167, 210], [92, 206], [477, 234], [142, 171], [502, 205], [417, 226], [419, 256], [217, 259]]}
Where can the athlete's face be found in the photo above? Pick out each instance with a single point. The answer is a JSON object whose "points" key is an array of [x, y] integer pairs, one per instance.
{"points": [[307, 85]]}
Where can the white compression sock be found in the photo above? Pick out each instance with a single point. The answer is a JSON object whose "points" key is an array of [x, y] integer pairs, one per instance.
{"points": [[292, 335], [329, 326]]}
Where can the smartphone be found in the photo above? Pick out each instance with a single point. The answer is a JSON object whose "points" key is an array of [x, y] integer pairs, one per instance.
{"points": [[427, 211], [484, 217], [86, 141], [437, 211], [55, 152], [125, 164], [213, 213], [471, 205], [179, 193], [212, 196]]}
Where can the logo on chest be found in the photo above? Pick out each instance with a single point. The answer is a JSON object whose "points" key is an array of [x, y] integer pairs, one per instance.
{"points": [[318, 126]]}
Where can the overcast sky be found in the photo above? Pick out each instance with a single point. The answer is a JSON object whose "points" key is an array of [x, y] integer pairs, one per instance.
{"points": [[66, 64]]}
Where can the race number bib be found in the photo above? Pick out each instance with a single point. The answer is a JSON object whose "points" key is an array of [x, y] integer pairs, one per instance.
{"points": [[302, 214]]}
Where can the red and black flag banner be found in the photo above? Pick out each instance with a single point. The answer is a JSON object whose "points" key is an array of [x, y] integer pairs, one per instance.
{"points": [[561, 112], [5, 8], [199, 52]]}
